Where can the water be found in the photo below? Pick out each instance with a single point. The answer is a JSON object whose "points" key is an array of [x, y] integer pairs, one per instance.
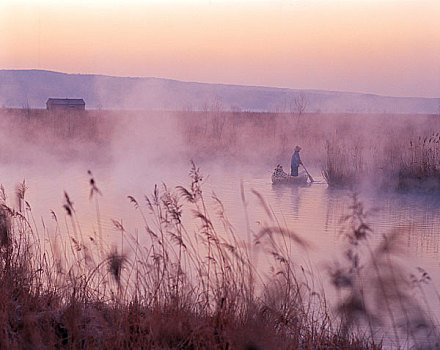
{"points": [[314, 212]]}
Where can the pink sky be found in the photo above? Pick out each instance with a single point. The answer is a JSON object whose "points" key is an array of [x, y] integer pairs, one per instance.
{"points": [[384, 47]]}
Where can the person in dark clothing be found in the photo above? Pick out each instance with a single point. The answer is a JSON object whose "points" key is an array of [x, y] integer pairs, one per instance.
{"points": [[295, 162]]}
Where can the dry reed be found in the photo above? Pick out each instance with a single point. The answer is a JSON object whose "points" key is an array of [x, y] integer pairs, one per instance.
{"points": [[176, 288]]}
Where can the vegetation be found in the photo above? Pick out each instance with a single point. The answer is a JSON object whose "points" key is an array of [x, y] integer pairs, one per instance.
{"points": [[387, 152], [420, 166], [377, 291], [350, 150], [175, 286], [190, 280], [62, 135], [342, 168]]}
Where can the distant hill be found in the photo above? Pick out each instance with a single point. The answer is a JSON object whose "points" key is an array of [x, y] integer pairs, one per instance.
{"points": [[23, 88]]}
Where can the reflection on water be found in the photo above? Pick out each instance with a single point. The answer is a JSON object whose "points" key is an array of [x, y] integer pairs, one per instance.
{"points": [[313, 211]]}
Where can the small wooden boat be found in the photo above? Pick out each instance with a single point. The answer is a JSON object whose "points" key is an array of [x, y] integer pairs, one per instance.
{"points": [[295, 180], [280, 177]]}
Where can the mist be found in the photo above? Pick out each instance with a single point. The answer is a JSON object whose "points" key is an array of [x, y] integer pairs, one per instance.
{"points": [[150, 196], [134, 155]]}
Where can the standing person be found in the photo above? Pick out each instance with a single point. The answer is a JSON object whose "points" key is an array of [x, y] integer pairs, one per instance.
{"points": [[295, 162]]}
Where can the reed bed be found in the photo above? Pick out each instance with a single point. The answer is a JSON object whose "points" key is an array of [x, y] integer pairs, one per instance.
{"points": [[349, 150], [343, 166], [61, 135], [420, 165], [170, 288], [386, 151], [200, 286]]}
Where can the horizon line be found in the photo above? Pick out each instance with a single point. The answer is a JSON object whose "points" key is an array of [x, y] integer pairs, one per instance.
{"points": [[221, 84]]}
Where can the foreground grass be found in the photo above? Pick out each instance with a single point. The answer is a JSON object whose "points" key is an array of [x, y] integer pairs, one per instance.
{"points": [[177, 289]]}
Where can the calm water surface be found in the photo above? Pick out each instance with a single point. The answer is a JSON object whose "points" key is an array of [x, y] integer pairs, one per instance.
{"points": [[314, 212]]}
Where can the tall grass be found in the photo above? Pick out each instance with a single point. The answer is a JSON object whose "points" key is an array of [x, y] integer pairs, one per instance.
{"points": [[195, 282], [420, 165], [171, 287], [65, 135], [358, 148], [376, 291], [343, 166], [385, 150]]}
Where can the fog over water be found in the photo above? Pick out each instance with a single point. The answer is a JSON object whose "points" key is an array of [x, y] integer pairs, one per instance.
{"points": [[140, 151], [158, 216], [128, 154]]}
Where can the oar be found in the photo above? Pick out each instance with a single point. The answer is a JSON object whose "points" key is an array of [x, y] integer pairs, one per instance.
{"points": [[310, 176]]}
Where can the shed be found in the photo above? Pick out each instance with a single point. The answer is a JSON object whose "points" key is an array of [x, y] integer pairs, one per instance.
{"points": [[63, 104]]}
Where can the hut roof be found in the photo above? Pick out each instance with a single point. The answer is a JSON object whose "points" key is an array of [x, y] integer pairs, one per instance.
{"points": [[66, 101]]}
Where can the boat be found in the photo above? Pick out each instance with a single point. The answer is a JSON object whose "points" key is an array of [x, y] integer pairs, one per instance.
{"points": [[279, 176]]}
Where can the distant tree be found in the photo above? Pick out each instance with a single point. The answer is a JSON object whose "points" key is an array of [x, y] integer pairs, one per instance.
{"points": [[217, 105], [235, 109], [219, 117], [205, 110], [27, 109], [300, 104], [282, 107], [214, 112], [188, 107], [205, 107]]}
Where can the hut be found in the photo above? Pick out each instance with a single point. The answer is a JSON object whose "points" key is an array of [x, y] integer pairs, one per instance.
{"points": [[65, 104]]}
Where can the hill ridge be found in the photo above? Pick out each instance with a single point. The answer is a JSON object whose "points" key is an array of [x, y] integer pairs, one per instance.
{"points": [[32, 87]]}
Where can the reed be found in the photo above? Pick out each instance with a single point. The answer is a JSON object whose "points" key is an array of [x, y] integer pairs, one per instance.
{"points": [[174, 287], [343, 166], [385, 151], [420, 165], [201, 286], [376, 289], [359, 149]]}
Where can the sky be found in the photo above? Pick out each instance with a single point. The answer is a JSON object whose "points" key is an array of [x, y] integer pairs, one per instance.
{"points": [[385, 47]]}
